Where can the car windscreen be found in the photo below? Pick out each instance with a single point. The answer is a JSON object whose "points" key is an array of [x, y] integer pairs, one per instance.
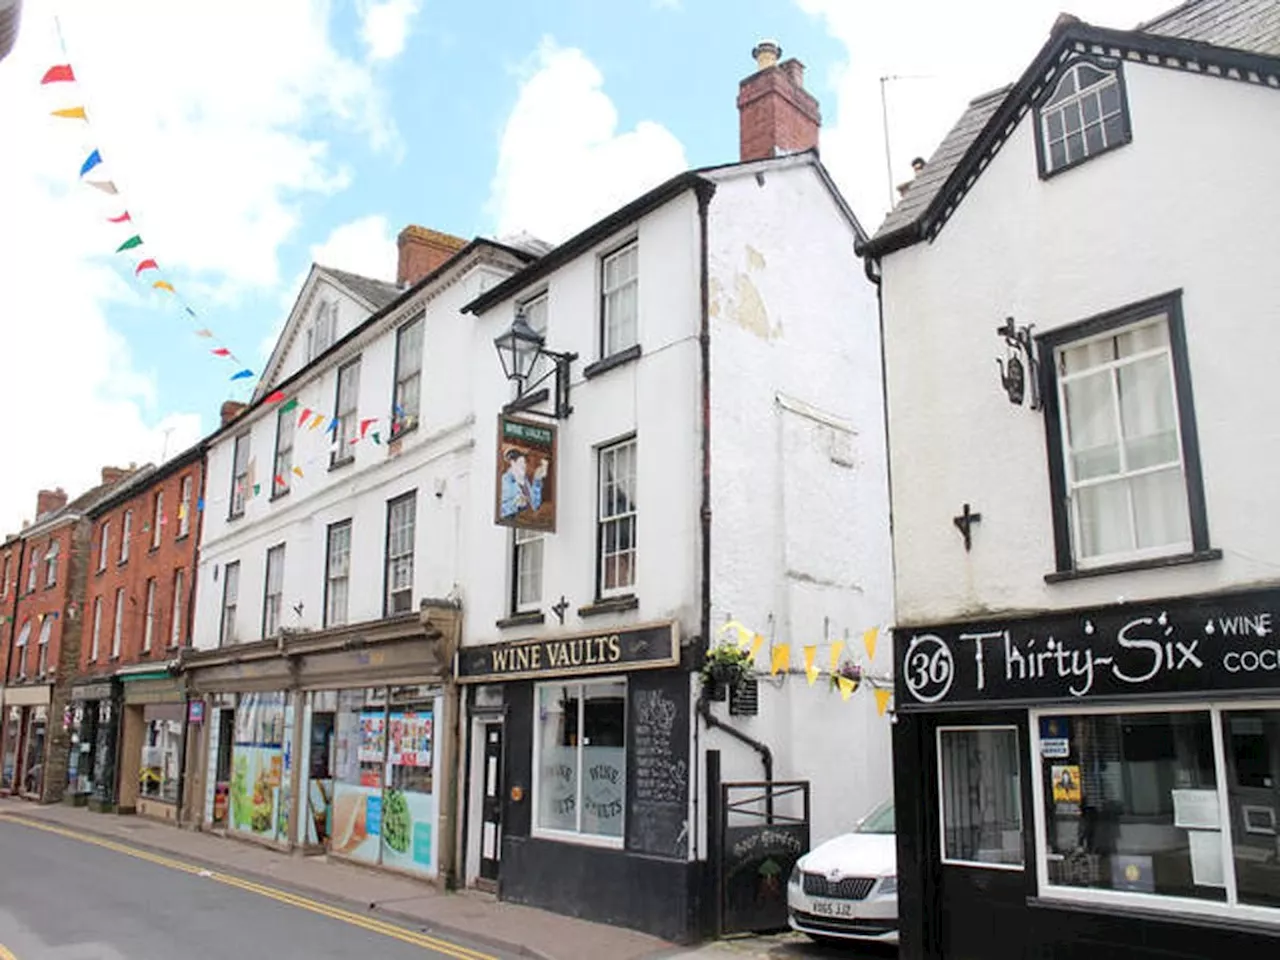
{"points": [[879, 820]]}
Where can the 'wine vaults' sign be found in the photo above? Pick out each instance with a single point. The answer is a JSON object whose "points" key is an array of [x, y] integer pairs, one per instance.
{"points": [[1187, 645], [608, 651]]}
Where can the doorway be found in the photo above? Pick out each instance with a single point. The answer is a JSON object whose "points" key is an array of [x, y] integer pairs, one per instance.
{"points": [[491, 804], [33, 768], [320, 778]]}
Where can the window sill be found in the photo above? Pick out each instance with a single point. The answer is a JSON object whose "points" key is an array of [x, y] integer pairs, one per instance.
{"points": [[121, 563], [610, 605], [154, 548], [278, 495], [1155, 563], [180, 537], [400, 433], [339, 464], [613, 360], [235, 516], [529, 618], [582, 839]]}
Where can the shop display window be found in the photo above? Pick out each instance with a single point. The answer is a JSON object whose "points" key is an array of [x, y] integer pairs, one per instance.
{"points": [[161, 765], [12, 735], [581, 758], [981, 789]]}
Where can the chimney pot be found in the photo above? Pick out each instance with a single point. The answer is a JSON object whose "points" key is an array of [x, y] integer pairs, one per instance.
{"points": [[766, 54], [47, 501], [776, 114], [229, 411], [423, 251]]}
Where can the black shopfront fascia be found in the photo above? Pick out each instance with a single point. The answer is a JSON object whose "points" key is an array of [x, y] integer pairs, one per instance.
{"points": [[992, 673], [648, 882]]}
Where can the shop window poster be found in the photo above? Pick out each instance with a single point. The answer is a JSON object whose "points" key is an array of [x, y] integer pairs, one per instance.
{"points": [[1066, 783], [258, 764]]}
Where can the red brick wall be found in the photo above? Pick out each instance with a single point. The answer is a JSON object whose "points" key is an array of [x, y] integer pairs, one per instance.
{"points": [[775, 112], [146, 562], [45, 601]]}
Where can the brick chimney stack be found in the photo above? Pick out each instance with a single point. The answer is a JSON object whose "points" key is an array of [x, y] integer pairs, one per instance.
{"points": [[776, 115], [47, 501], [112, 475], [229, 411], [422, 251]]}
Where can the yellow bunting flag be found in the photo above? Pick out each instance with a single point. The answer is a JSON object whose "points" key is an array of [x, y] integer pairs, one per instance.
{"points": [[756, 644], [837, 648], [869, 641], [317, 420], [810, 670], [882, 699], [298, 471], [163, 285], [71, 113], [743, 634], [781, 658], [847, 687]]}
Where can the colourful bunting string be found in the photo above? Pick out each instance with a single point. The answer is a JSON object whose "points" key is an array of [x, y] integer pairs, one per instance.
{"points": [[847, 687], [147, 264], [298, 471], [376, 439], [60, 73], [70, 113], [134, 241], [242, 375], [332, 427], [304, 416], [781, 658], [106, 186], [319, 419], [93, 160], [200, 504], [163, 285], [275, 397], [810, 671], [883, 696], [123, 218], [220, 352], [366, 424], [291, 405], [257, 489], [280, 481]]}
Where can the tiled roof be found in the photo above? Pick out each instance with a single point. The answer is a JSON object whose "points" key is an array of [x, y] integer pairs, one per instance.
{"points": [[379, 293], [1250, 25], [10, 19]]}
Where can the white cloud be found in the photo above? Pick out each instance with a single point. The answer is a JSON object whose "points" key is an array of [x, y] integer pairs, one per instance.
{"points": [[947, 53], [206, 117], [385, 26], [562, 162]]}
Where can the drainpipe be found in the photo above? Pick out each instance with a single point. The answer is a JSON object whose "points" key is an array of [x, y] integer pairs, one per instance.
{"points": [[766, 755]]}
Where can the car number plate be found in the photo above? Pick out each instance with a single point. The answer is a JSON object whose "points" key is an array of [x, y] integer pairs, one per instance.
{"points": [[834, 908]]}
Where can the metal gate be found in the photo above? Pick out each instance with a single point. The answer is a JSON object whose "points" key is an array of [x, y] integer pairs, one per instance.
{"points": [[763, 831]]}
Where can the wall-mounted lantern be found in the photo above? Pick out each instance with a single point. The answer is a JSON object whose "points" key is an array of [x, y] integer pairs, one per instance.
{"points": [[1015, 372], [520, 348]]}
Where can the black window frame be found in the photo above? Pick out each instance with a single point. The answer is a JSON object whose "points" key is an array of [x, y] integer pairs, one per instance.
{"points": [[278, 488], [223, 640], [412, 497], [328, 555], [345, 452], [1106, 64], [1170, 305]]}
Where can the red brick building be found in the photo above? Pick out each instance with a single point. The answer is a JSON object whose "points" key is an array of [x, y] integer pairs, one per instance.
{"points": [[128, 708], [44, 590]]}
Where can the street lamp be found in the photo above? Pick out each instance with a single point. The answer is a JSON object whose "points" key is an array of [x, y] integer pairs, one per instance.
{"points": [[519, 350]]}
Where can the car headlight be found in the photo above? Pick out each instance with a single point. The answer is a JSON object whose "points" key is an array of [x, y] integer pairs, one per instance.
{"points": [[795, 876], [888, 887]]}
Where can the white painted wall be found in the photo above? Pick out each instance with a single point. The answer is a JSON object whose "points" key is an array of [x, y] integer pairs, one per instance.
{"points": [[1189, 204], [431, 459], [800, 533]]}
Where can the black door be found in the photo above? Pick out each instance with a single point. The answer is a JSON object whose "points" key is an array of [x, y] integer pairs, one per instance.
{"points": [[980, 776], [491, 804]]}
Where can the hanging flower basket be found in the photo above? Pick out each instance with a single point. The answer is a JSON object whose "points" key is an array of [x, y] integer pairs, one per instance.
{"points": [[850, 671], [724, 668]]}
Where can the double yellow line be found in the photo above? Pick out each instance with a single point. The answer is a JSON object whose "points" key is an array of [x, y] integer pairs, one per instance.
{"points": [[303, 903]]}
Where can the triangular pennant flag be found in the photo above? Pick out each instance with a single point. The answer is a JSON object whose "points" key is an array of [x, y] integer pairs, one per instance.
{"points": [[182, 511], [781, 658], [70, 113], [123, 218], [366, 424], [304, 416], [163, 285], [61, 73], [847, 687], [882, 699], [90, 162], [756, 644], [220, 352], [275, 396], [291, 405], [147, 264], [869, 641], [837, 648], [106, 186], [257, 489], [191, 313], [242, 375], [353, 441], [810, 671], [376, 438], [319, 419], [298, 471], [207, 334], [280, 481], [332, 427], [200, 504], [134, 241]]}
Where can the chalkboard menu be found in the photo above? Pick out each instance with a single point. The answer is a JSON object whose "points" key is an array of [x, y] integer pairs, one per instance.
{"points": [[658, 764]]}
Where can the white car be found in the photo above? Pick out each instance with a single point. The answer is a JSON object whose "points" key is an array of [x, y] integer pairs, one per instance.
{"points": [[847, 889]]}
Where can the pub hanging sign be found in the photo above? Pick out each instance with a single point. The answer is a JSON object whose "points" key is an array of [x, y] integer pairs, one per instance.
{"points": [[525, 494], [605, 651], [1193, 645]]}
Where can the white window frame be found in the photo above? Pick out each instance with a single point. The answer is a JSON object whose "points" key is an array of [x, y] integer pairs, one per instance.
{"points": [[33, 569], [126, 534], [239, 475], [51, 563], [408, 369], [942, 812], [230, 606], [4, 579], [42, 655], [175, 628], [1153, 901], [1093, 92], [1071, 485], [157, 517], [117, 628], [575, 836], [611, 341], [322, 332], [149, 628], [525, 544], [184, 507], [104, 544], [603, 521], [24, 635], [282, 460], [346, 406], [95, 649], [330, 579], [410, 498], [273, 592]]}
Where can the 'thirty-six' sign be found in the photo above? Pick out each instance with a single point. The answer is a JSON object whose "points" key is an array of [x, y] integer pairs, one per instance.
{"points": [[1182, 646]]}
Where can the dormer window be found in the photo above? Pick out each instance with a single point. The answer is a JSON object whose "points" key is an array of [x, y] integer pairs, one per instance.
{"points": [[1084, 114], [323, 329]]}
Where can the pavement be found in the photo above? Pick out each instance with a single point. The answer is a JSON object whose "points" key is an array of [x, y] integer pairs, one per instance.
{"points": [[138, 888]]}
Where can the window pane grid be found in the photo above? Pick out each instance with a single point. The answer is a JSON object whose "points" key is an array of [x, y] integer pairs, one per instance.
{"points": [[283, 464], [239, 475], [175, 628], [274, 598], [408, 376], [230, 600], [617, 520], [184, 508], [620, 288], [1082, 123], [400, 536], [337, 574], [581, 748], [149, 629], [528, 547], [348, 418]]}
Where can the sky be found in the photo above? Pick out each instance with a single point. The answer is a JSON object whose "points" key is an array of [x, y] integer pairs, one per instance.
{"points": [[248, 140]]}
